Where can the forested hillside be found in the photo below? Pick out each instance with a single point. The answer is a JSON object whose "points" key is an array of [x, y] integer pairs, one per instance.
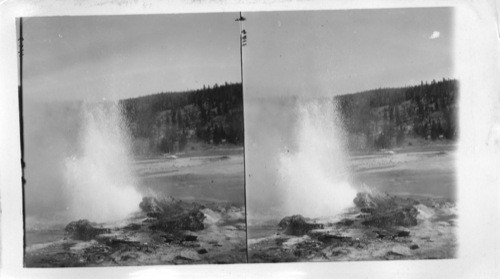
{"points": [[389, 117], [374, 119], [169, 122]]}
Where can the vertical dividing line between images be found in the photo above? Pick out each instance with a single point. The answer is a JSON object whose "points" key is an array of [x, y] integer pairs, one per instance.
{"points": [[21, 130], [240, 21]]}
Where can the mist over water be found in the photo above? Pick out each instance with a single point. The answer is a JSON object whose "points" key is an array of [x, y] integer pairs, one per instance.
{"points": [[100, 183], [295, 159]]}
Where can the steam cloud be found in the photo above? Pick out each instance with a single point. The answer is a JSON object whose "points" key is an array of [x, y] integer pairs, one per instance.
{"points": [[314, 178], [100, 181], [295, 159]]}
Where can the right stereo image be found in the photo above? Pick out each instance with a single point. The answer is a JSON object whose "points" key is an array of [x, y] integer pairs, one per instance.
{"points": [[350, 135]]}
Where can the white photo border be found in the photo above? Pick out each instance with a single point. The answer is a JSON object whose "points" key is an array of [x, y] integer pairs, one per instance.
{"points": [[477, 66]]}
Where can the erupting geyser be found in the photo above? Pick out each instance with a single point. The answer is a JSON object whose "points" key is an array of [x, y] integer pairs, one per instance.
{"points": [[314, 177], [100, 180]]}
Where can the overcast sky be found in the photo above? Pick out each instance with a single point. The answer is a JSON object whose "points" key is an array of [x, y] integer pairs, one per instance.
{"points": [[312, 53], [124, 56], [337, 52]]}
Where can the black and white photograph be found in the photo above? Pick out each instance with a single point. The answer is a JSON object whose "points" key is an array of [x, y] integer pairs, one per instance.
{"points": [[249, 139], [351, 124], [133, 140]]}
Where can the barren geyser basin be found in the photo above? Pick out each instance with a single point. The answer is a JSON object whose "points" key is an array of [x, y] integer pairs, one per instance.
{"points": [[110, 207], [286, 136], [312, 197]]}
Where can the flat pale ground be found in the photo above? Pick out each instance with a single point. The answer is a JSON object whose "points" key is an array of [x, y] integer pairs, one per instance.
{"points": [[425, 171], [213, 177]]}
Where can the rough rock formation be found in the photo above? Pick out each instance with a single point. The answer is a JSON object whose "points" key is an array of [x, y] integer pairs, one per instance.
{"points": [[173, 216], [297, 225], [381, 227], [179, 234], [406, 217], [190, 221], [386, 211], [150, 205], [83, 230]]}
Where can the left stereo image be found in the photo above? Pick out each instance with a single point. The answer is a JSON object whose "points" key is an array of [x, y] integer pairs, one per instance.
{"points": [[133, 138]]}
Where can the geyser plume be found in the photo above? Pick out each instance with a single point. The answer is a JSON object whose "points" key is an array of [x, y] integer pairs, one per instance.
{"points": [[314, 176], [100, 180]]}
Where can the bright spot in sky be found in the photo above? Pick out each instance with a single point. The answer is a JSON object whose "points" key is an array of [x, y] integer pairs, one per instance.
{"points": [[435, 35]]}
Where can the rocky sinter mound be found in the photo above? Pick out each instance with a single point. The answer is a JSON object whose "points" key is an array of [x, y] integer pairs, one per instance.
{"points": [[173, 216], [84, 230], [165, 231], [386, 211], [379, 227], [297, 225]]}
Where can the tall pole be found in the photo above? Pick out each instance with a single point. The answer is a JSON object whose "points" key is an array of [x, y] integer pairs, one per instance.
{"points": [[242, 40], [20, 86], [241, 48], [21, 52], [21, 125]]}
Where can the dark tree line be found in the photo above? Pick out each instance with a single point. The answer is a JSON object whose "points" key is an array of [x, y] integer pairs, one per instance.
{"points": [[168, 121], [384, 117]]}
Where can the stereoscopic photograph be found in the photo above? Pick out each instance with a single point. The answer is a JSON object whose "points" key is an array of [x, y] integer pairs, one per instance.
{"points": [[351, 132], [133, 140], [242, 137]]}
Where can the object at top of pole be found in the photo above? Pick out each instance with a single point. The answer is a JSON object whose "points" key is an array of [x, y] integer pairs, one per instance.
{"points": [[241, 18]]}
